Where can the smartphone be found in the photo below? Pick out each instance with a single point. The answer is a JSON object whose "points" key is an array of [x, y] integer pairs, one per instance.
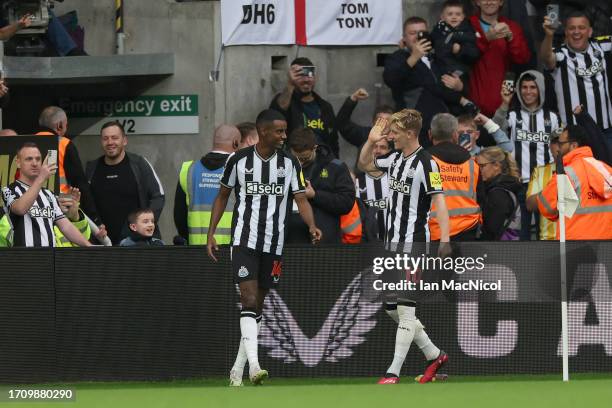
{"points": [[464, 139], [423, 35], [509, 82], [457, 73], [552, 12], [52, 158], [308, 71]]}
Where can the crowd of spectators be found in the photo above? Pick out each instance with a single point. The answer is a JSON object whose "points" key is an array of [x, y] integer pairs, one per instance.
{"points": [[502, 135]]}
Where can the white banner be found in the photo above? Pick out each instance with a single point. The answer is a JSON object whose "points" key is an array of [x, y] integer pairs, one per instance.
{"points": [[353, 22], [251, 22]]}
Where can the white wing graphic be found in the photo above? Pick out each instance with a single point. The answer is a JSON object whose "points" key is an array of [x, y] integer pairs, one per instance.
{"points": [[349, 320]]}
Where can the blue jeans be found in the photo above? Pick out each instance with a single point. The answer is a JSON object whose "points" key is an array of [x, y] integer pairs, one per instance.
{"points": [[58, 36]]}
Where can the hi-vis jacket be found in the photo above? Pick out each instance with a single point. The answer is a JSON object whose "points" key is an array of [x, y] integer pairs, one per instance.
{"points": [[459, 175], [592, 182]]}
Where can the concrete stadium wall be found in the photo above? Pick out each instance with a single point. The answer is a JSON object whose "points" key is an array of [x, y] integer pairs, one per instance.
{"points": [[191, 30]]}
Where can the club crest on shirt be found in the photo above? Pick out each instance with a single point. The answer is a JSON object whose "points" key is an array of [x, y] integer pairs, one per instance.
{"points": [[324, 173], [281, 172]]}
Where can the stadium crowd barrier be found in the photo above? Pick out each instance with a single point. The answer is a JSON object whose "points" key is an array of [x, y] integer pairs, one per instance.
{"points": [[170, 312]]}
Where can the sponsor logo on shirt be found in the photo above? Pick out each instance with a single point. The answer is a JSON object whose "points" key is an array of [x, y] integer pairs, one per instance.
{"points": [[593, 70], [537, 137], [399, 186], [380, 204], [37, 212], [315, 124], [256, 188]]}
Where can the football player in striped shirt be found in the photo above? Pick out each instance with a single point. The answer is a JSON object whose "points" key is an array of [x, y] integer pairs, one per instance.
{"points": [[414, 184], [263, 177]]}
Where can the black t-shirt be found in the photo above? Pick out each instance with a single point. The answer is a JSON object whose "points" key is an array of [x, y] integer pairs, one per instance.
{"points": [[314, 121], [116, 195]]}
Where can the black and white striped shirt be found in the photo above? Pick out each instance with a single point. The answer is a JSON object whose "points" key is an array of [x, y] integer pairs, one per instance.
{"points": [[530, 132], [35, 228], [262, 188], [412, 180], [580, 78], [374, 192]]}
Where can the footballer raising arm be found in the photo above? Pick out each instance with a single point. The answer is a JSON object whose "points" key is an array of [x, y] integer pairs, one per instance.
{"points": [[366, 157]]}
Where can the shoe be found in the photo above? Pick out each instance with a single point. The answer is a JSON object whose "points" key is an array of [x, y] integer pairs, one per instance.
{"points": [[235, 379], [259, 377], [389, 379], [432, 369], [437, 377]]}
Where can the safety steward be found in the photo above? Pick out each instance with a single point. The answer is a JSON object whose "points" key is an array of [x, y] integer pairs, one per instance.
{"points": [[591, 179], [460, 177], [199, 185]]}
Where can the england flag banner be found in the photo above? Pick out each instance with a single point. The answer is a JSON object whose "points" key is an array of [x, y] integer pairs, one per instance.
{"points": [[255, 22], [350, 22]]}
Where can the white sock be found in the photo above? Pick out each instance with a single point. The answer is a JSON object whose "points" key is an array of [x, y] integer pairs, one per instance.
{"points": [[429, 349], [403, 338], [241, 357], [248, 329]]}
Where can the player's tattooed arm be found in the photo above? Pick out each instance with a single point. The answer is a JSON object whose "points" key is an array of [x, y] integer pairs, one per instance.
{"points": [[306, 213]]}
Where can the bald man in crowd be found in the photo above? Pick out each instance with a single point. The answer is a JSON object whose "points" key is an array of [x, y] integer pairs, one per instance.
{"points": [[198, 186], [7, 132]]}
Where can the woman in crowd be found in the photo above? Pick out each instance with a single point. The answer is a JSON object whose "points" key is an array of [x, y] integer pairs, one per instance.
{"points": [[500, 208]]}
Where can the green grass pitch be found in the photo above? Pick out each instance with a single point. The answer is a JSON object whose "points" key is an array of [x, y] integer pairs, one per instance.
{"points": [[589, 391]]}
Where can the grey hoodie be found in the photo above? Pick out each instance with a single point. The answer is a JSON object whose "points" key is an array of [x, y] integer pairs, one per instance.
{"points": [[501, 115]]}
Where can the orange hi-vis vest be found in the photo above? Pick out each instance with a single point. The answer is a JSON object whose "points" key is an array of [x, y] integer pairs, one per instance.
{"points": [[459, 183], [592, 182], [61, 152], [351, 226]]}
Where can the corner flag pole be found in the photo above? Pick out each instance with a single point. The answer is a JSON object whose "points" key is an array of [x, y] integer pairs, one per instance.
{"points": [[562, 253]]}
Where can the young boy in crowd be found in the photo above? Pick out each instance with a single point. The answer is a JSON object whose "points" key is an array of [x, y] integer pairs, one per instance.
{"points": [[142, 226], [454, 43]]}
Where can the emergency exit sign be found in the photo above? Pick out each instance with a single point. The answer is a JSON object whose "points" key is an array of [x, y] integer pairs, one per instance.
{"points": [[142, 115]]}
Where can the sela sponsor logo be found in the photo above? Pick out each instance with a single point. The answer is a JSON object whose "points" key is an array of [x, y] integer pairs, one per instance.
{"points": [[37, 212], [537, 137], [381, 204], [399, 186], [256, 188], [350, 319], [243, 272], [594, 69]]}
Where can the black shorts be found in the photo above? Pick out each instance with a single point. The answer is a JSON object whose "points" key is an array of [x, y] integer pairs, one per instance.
{"points": [[249, 264]]}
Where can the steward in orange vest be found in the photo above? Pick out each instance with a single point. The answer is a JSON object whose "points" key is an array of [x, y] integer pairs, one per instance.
{"points": [[53, 121], [591, 179], [360, 224], [460, 178]]}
